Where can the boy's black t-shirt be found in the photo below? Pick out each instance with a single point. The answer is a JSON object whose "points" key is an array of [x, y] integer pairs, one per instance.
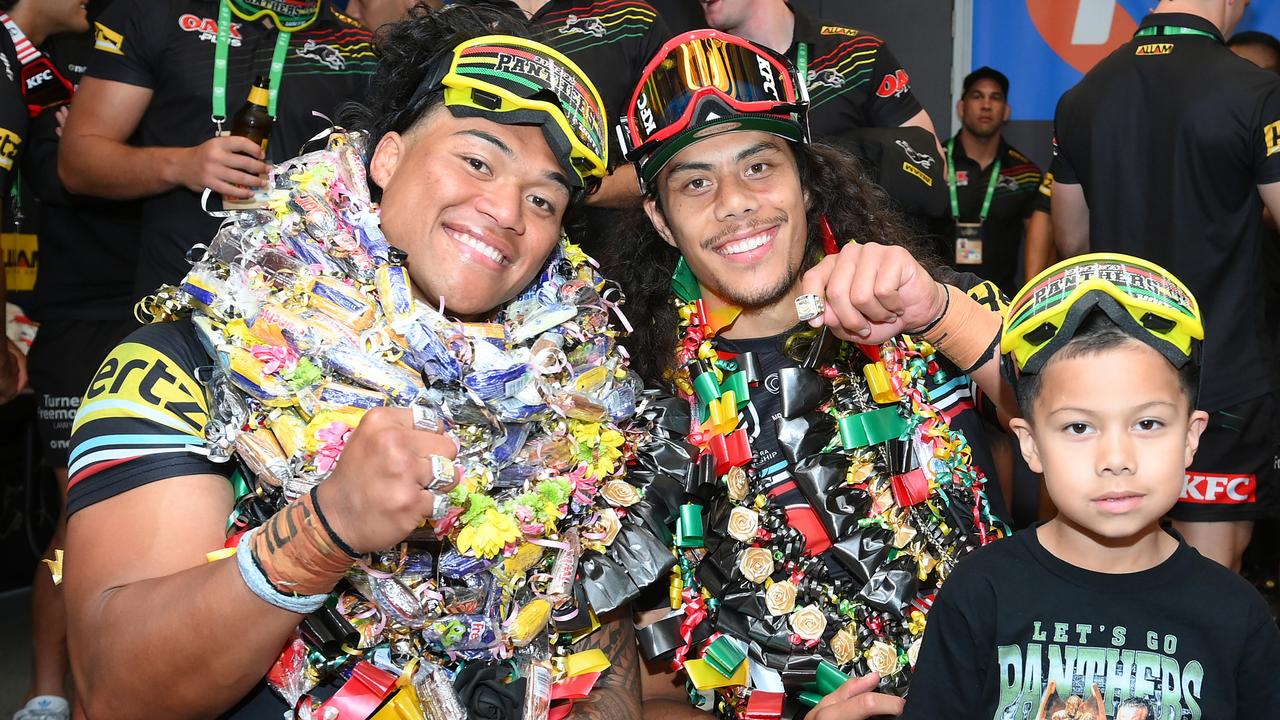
{"points": [[1015, 633]]}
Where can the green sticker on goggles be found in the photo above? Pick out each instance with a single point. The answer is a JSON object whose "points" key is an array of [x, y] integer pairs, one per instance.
{"points": [[1134, 280], [289, 15]]}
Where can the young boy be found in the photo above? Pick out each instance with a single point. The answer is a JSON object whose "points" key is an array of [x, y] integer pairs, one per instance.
{"points": [[1100, 613]]}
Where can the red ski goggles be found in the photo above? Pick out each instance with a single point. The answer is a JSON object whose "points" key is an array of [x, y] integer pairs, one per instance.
{"points": [[707, 77]]}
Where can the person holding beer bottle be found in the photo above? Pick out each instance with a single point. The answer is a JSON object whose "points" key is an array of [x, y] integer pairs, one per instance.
{"points": [[151, 118]]}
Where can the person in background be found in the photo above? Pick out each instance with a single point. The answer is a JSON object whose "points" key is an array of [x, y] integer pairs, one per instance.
{"points": [[1258, 48], [83, 289], [992, 185], [1168, 149], [33, 87], [149, 115], [853, 78], [611, 40]]}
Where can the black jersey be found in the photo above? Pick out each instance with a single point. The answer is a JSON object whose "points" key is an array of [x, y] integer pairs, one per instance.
{"points": [[167, 46], [1169, 136]]}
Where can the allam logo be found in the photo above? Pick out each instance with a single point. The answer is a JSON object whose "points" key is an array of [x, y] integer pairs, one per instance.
{"points": [[1082, 32]]}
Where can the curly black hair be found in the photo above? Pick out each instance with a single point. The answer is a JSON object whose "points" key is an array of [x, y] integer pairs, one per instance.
{"points": [[642, 262], [411, 50]]}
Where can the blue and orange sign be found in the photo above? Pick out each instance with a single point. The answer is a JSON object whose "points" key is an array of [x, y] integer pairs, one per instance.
{"points": [[1046, 46]]}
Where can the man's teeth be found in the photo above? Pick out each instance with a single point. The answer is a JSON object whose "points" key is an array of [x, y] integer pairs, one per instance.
{"points": [[746, 245], [487, 250]]}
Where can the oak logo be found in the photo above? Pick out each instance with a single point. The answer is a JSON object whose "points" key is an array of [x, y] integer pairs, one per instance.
{"points": [[208, 28], [1154, 49], [894, 84], [9, 142], [1270, 133], [107, 40]]}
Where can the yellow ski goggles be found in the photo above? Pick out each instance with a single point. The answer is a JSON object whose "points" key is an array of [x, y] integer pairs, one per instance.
{"points": [[1139, 296], [515, 81]]}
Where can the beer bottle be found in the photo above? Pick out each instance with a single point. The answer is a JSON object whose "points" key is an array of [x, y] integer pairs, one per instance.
{"points": [[252, 120]]}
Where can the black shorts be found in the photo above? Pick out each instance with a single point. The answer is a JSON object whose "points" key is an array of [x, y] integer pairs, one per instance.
{"points": [[1234, 473], [63, 359]]}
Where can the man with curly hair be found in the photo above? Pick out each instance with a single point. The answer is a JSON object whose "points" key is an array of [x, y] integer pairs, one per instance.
{"points": [[475, 197], [745, 212]]}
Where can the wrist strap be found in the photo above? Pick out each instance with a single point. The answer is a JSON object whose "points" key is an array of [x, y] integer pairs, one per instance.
{"points": [[324, 523], [964, 331], [262, 587]]}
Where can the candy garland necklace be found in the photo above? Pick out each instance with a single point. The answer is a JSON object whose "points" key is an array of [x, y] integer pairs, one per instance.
{"points": [[308, 315], [903, 500]]}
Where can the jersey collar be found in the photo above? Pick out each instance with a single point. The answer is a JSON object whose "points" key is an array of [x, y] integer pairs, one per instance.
{"points": [[1187, 20]]}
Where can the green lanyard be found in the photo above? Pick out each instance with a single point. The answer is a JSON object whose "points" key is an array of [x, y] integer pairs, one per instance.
{"points": [[1172, 30], [220, 66], [951, 184], [802, 62]]}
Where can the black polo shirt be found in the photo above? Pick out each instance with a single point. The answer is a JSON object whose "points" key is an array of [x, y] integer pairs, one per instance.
{"points": [[87, 245], [611, 40], [1169, 137], [1012, 203], [167, 46], [854, 80]]}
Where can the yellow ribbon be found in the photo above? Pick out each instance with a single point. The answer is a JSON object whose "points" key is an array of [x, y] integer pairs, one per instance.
{"points": [[705, 677]]}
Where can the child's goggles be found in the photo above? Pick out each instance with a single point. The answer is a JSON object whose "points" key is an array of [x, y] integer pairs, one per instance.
{"points": [[514, 81], [1139, 296], [745, 79]]}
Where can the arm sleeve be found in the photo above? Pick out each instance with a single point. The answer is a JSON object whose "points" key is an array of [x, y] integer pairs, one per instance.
{"points": [[951, 669], [1267, 139], [890, 102], [1061, 167], [142, 418], [1257, 682], [127, 42], [1044, 194], [1032, 201]]}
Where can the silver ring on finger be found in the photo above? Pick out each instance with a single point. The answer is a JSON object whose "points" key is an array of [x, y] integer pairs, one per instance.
{"points": [[443, 473], [426, 418], [440, 507], [809, 307]]}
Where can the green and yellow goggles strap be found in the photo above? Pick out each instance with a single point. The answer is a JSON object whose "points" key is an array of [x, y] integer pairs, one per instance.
{"points": [[500, 74], [288, 15], [1140, 296]]}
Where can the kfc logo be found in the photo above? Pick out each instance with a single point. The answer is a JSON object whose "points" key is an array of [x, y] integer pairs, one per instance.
{"points": [[1212, 489]]}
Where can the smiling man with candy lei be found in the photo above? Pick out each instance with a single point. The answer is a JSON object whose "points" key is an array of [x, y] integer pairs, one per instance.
{"points": [[828, 486], [353, 466]]}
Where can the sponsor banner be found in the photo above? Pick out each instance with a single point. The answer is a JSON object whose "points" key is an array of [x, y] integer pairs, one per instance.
{"points": [[1046, 46]]}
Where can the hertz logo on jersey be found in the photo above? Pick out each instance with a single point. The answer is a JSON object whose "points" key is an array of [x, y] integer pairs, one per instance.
{"points": [[9, 142], [140, 382], [1154, 49], [107, 40]]}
